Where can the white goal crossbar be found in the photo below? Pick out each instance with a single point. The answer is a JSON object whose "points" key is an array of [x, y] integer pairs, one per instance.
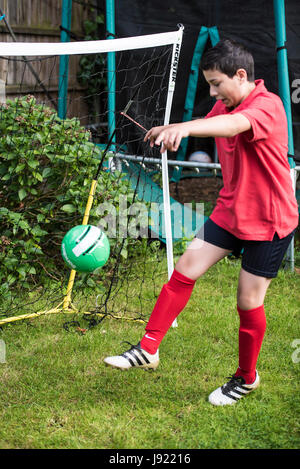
{"points": [[10, 49]]}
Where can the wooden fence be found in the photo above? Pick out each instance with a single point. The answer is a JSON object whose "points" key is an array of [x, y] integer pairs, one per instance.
{"points": [[39, 21]]}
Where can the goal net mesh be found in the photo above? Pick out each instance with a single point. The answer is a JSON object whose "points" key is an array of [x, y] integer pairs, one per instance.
{"points": [[55, 146]]}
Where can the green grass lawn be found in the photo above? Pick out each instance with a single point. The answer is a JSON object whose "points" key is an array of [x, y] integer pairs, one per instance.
{"points": [[57, 393]]}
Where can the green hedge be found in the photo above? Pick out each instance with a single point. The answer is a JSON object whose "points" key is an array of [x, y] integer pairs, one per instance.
{"points": [[46, 168]]}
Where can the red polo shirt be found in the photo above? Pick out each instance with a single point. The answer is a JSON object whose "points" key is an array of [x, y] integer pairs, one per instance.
{"points": [[257, 199]]}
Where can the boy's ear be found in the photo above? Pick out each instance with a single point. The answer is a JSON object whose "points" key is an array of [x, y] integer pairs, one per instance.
{"points": [[242, 74]]}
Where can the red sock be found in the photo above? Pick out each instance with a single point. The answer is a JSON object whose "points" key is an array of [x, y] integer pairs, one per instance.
{"points": [[171, 301], [251, 334]]}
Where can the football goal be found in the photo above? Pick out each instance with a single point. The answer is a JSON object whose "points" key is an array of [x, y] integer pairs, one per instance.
{"points": [[63, 163]]}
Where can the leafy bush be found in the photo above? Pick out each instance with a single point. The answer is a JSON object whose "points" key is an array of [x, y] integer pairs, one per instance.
{"points": [[46, 168]]}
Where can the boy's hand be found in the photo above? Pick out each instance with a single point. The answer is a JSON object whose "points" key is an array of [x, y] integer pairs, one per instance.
{"points": [[168, 136]]}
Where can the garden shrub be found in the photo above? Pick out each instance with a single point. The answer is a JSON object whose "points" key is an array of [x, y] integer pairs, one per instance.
{"points": [[46, 168]]}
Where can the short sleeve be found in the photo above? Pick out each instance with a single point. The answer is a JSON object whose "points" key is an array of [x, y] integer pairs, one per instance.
{"points": [[261, 116]]}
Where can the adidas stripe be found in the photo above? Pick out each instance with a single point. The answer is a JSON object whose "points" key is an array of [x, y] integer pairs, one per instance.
{"points": [[235, 393], [136, 357]]}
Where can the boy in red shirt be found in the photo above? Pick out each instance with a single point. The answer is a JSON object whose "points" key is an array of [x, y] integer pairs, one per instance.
{"points": [[256, 211]]}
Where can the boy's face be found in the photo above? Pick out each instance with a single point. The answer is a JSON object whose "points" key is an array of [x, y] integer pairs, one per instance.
{"points": [[231, 91]]}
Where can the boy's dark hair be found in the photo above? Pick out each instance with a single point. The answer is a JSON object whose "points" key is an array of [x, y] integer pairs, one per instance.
{"points": [[228, 56]]}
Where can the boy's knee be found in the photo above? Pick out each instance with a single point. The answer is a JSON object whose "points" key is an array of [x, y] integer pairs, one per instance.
{"points": [[185, 265], [248, 300], [251, 290]]}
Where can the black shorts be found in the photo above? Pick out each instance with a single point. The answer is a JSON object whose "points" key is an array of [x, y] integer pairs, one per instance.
{"points": [[262, 258]]}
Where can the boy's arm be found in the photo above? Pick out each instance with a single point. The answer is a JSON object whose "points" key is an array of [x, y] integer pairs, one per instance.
{"points": [[218, 126]]}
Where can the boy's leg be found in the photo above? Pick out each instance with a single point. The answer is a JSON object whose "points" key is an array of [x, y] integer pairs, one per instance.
{"points": [[196, 260], [199, 257], [250, 305], [252, 290], [260, 263]]}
